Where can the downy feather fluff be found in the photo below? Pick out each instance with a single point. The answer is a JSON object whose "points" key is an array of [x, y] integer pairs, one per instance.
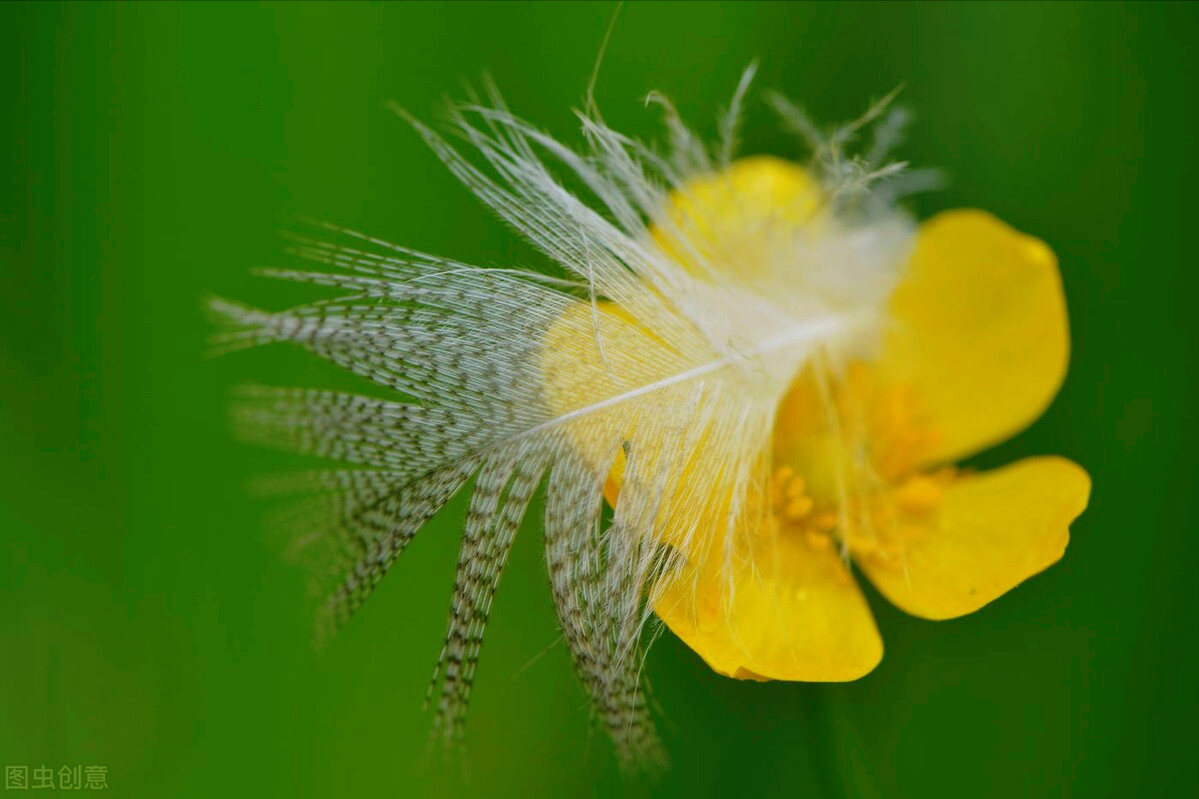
{"points": [[661, 349]]}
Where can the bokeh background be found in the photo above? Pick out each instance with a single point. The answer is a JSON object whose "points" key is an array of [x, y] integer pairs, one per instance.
{"points": [[148, 624]]}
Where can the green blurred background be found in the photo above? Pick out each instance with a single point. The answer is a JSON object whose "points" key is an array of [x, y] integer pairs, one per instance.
{"points": [[146, 622]]}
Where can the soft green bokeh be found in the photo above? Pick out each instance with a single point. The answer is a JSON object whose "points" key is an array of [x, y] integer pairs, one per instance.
{"points": [[147, 624]]}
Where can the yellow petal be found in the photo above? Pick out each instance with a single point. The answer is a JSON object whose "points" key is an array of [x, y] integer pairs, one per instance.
{"points": [[980, 331], [729, 218], [794, 614], [991, 532], [787, 608]]}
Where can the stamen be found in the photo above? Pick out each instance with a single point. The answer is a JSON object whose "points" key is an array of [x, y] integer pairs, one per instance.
{"points": [[798, 508], [791, 497], [825, 522], [818, 540], [919, 495], [782, 476], [862, 490]]}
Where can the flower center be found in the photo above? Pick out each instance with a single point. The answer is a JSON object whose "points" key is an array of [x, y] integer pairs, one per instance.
{"points": [[846, 452]]}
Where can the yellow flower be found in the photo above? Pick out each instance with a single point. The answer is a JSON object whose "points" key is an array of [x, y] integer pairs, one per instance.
{"points": [[766, 372], [975, 349]]}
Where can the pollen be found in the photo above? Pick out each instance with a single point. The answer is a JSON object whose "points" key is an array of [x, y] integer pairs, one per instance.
{"points": [[919, 495], [818, 539], [791, 498], [871, 438], [798, 508]]}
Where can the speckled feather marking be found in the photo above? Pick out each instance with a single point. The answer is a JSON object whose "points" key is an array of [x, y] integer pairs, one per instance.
{"points": [[597, 592], [430, 339], [502, 492]]}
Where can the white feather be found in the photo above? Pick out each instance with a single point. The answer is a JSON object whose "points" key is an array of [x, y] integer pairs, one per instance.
{"points": [[515, 381]]}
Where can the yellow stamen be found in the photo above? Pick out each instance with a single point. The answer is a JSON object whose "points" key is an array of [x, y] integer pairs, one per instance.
{"points": [[782, 476], [919, 495], [796, 488], [798, 508], [826, 522], [818, 540]]}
